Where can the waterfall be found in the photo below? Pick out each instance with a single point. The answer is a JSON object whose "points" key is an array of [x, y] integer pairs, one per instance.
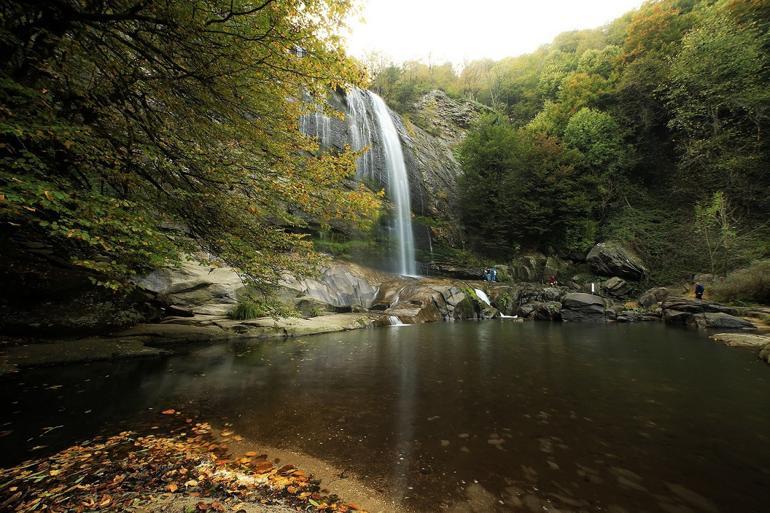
{"points": [[398, 185], [360, 132], [372, 131], [482, 296], [319, 126]]}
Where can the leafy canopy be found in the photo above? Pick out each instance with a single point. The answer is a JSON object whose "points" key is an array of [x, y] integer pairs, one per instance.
{"points": [[121, 118]]}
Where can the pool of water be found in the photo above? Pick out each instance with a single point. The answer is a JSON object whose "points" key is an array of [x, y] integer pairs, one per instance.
{"points": [[471, 416]]}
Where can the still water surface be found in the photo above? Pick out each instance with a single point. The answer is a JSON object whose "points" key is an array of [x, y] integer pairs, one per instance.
{"points": [[504, 416]]}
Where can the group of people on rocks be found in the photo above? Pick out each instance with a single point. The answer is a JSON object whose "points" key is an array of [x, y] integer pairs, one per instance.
{"points": [[490, 274]]}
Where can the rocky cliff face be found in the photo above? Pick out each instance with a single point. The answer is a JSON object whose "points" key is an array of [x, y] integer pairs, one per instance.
{"points": [[428, 139]]}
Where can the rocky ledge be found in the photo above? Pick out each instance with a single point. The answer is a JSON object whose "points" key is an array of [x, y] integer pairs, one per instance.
{"points": [[703, 314]]}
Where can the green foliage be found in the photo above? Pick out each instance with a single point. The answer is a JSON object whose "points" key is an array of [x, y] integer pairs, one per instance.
{"points": [[120, 118], [604, 155], [716, 229], [652, 115], [251, 307], [719, 97], [751, 284], [526, 181]]}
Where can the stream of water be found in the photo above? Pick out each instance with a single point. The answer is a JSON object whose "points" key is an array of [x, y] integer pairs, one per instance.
{"points": [[616, 418]]}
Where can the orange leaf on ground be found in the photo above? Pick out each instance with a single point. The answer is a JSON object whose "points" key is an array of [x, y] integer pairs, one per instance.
{"points": [[250, 454], [172, 487], [170, 411]]}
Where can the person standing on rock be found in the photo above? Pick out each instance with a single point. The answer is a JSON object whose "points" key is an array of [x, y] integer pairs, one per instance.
{"points": [[493, 274], [699, 290]]}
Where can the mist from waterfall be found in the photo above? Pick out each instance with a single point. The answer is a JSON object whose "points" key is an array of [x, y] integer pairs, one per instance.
{"points": [[398, 185]]}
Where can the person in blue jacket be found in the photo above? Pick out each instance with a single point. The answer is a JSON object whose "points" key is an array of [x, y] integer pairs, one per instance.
{"points": [[699, 290]]}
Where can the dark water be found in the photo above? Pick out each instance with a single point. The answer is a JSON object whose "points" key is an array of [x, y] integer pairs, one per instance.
{"points": [[510, 416]]}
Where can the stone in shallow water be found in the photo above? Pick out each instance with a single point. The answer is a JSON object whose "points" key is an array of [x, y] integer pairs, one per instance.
{"points": [[764, 354], [742, 340]]}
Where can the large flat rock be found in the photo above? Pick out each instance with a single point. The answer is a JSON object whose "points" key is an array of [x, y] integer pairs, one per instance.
{"points": [[746, 340]]}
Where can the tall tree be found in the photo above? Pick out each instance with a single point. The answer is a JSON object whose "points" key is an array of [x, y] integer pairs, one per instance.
{"points": [[122, 116]]}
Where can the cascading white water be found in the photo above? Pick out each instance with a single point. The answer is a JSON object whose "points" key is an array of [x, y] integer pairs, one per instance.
{"points": [[360, 131], [373, 131], [318, 125], [483, 296], [398, 185]]}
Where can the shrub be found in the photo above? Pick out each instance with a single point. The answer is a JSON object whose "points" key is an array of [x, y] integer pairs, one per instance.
{"points": [[751, 284], [249, 307]]}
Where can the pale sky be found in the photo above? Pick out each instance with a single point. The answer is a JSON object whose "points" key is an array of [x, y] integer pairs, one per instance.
{"points": [[460, 30]]}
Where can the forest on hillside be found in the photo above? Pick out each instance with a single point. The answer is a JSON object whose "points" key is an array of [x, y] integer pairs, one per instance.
{"points": [[652, 130]]}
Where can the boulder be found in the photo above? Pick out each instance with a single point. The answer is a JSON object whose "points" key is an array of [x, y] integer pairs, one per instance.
{"points": [[654, 296], [671, 316], [628, 316], [764, 354], [719, 320], [505, 298], [526, 310], [465, 309], [581, 307], [341, 284], [539, 293], [417, 303], [193, 284], [613, 259], [746, 340], [312, 307], [410, 313], [455, 271], [529, 268], [617, 287], [554, 266], [704, 278], [549, 311]]}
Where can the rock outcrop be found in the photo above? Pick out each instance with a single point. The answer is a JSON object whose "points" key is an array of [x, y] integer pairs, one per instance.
{"points": [[428, 142], [340, 285], [613, 259], [764, 354], [703, 314], [427, 300], [195, 287], [745, 340], [617, 287], [581, 307], [654, 296]]}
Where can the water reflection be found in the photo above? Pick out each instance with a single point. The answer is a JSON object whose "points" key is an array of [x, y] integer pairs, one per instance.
{"points": [[465, 416]]}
